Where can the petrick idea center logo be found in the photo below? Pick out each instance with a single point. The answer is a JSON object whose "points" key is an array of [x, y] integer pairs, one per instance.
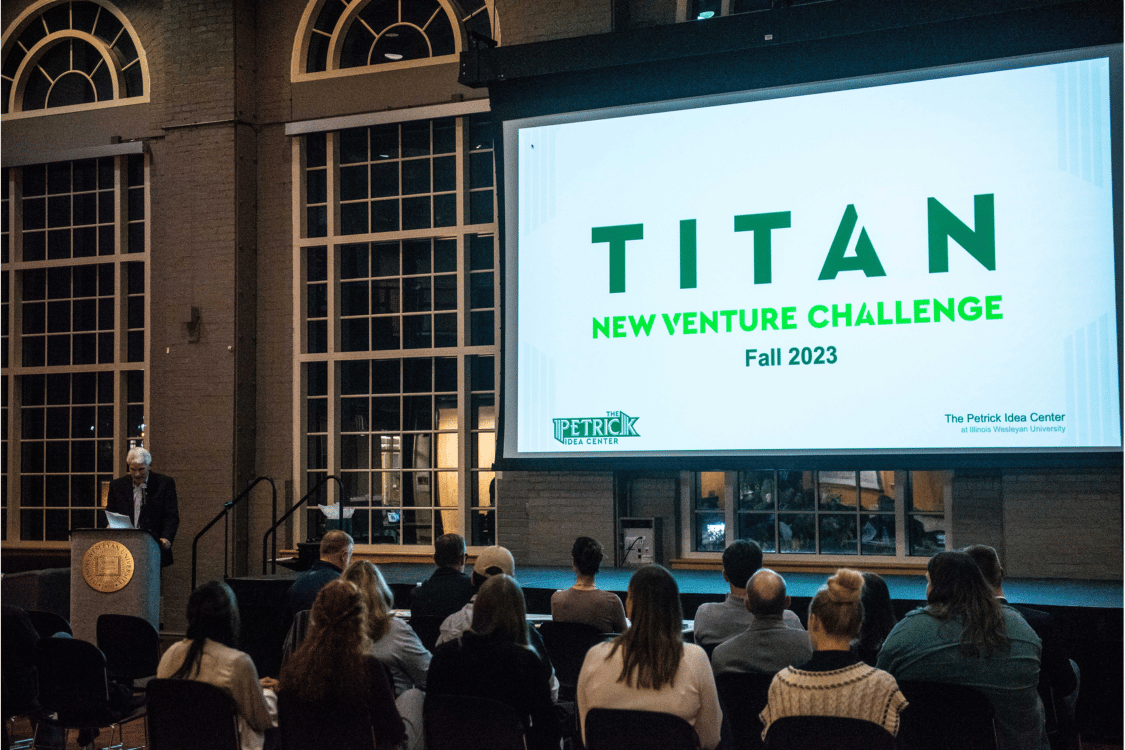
{"points": [[595, 430]]}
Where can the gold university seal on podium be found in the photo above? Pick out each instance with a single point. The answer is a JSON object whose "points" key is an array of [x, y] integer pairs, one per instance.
{"points": [[107, 566]]}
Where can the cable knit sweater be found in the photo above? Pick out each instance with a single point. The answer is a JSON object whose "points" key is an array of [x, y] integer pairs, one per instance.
{"points": [[835, 683]]}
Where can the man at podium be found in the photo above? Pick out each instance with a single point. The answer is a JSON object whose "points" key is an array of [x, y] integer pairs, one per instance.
{"points": [[148, 499]]}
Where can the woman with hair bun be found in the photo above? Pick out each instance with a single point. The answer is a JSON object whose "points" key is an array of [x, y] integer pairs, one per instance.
{"points": [[584, 602], [835, 682]]}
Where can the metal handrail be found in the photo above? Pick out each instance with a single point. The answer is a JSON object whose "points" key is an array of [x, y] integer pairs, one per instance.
{"points": [[226, 536], [273, 529]]}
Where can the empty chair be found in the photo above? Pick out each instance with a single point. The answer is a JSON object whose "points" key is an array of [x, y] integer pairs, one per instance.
{"points": [[827, 733], [47, 624], [131, 646], [460, 722], [73, 684], [743, 695], [567, 644], [942, 716], [613, 729], [191, 715]]}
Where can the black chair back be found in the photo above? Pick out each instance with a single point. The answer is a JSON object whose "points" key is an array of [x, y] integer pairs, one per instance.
{"points": [[131, 646], [428, 628], [458, 722], [743, 695], [191, 715], [46, 624], [296, 634], [943, 716], [612, 729], [827, 733], [567, 644], [73, 684]]}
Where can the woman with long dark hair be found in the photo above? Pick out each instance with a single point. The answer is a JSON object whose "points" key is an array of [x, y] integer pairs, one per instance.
{"points": [[649, 667], [584, 602], [332, 693], [964, 636], [492, 659], [878, 617], [834, 682], [209, 654]]}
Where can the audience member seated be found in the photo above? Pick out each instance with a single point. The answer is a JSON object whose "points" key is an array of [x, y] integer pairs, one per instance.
{"points": [[768, 645], [584, 602], [649, 667], [495, 560], [492, 659], [878, 617], [208, 654], [964, 636], [395, 645], [720, 621], [448, 588], [333, 693], [335, 554], [834, 682], [1057, 671]]}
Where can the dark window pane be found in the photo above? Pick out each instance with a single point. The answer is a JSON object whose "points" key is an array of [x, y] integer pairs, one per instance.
{"points": [[353, 261], [34, 213], [384, 141], [796, 532], [445, 292], [134, 387], [417, 375], [318, 378], [136, 342], [58, 422], [85, 242], [353, 183], [445, 210], [317, 300], [384, 413], [318, 415], [58, 211], [354, 298], [417, 413], [385, 376], [480, 207], [318, 336], [877, 534], [34, 180], [315, 150], [385, 333], [316, 186], [480, 131], [318, 221], [34, 245], [354, 414], [58, 461], [416, 213], [445, 135], [416, 294], [353, 335], [384, 179], [385, 259], [445, 174], [483, 328], [106, 207], [85, 208], [316, 263], [137, 204], [85, 349], [58, 244], [34, 317], [445, 374], [105, 240], [353, 218], [482, 373], [416, 138], [58, 177], [353, 377], [445, 330], [384, 216], [82, 455], [480, 170], [415, 176], [353, 145], [137, 312], [416, 332], [481, 291], [385, 297], [105, 348], [757, 527], [445, 256], [33, 423], [58, 350]]}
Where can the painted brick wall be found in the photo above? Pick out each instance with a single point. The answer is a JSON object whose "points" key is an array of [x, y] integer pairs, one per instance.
{"points": [[541, 513]]}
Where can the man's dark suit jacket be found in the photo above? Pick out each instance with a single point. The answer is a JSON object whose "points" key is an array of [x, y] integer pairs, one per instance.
{"points": [[160, 513]]}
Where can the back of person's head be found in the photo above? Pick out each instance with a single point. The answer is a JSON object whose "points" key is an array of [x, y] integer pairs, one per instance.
{"points": [[493, 561], [878, 613], [499, 610], [766, 595], [328, 663], [741, 559], [988, 561], [449, 550], [587, 555], [653, 643], [957, 590], [838, 604], [376, 594], [212, 614], [334, 542]]}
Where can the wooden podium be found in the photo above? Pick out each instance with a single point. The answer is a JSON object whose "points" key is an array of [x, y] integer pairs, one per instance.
{"points": [[112, 571]]}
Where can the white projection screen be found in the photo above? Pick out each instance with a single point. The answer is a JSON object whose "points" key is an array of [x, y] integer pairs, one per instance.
{"points": [[911, 264]]}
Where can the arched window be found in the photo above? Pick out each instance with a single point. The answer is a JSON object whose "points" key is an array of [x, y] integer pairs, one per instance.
{"points": [[64, 54], [346, 34]]}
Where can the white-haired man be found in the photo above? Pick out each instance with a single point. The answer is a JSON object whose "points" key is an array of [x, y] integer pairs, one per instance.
{"points": [[148, 499]]}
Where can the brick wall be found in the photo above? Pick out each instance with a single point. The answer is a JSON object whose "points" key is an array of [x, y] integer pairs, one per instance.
{"points": [[539, 514]]}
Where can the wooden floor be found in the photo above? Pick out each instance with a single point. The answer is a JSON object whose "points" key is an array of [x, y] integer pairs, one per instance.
{"points": [[134, 736]]}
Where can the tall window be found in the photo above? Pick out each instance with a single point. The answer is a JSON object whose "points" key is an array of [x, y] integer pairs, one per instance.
{"points": [[399, 362], [866, 513], [61, 54], [75, 303]]}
